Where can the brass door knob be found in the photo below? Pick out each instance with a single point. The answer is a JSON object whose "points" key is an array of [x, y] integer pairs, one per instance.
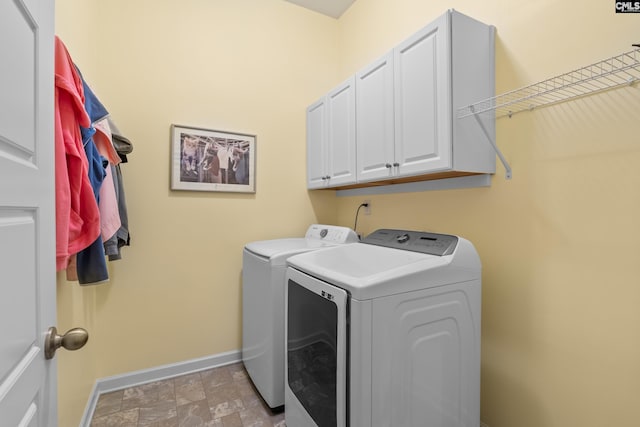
{"points": [[73, 339]]}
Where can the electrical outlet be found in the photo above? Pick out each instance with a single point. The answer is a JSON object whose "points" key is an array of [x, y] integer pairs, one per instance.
{"points": [[367, 209]]}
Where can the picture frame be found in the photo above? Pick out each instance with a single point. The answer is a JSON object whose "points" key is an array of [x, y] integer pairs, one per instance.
{"points": [[212, 160]]}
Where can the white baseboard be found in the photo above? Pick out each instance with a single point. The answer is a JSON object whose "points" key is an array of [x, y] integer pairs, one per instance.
{"points": [[131, 379]]}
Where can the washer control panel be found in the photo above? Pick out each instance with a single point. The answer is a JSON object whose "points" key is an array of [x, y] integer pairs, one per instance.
{"points": [[331, 233], [416, 241]]}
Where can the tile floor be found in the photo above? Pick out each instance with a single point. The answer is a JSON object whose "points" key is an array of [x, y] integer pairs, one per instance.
{"points": [[220, 397]]}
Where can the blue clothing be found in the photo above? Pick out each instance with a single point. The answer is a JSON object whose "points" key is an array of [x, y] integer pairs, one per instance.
{"points": [[91, 262], [97, 165], [92, 104]]}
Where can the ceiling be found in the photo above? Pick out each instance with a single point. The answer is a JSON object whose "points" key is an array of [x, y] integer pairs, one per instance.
{"points": [[333, 8]]}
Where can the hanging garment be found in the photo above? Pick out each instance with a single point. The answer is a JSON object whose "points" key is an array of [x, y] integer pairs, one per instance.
{"points": [[122, 145], [77, 214], [122, 238], [91, 261], [103, 141], [108, 205], [109, 214]]}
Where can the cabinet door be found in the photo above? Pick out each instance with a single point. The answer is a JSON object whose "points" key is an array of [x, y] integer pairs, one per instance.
{"points": [[341, 140], [374, 120], [422, 88], [316, 145]]}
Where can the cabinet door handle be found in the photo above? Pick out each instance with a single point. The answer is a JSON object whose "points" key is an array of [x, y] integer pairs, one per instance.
{"points": [[387, 165], [396, 164]]}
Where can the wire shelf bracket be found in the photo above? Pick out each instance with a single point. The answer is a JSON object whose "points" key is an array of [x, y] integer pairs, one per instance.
{"points": [[505, 164], [611, 73]]}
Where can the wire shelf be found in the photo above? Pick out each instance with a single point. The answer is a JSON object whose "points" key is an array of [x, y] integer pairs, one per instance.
{"points": [[617, 71]]}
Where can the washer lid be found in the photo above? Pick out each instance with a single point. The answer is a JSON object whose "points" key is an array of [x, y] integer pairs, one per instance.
{"points": [[270, 248], [317, 236], [370, 271]]}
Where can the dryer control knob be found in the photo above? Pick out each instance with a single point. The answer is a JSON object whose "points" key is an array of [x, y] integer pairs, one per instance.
{"points": [[403, 238]]}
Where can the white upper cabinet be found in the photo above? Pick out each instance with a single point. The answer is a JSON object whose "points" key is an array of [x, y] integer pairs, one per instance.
{"points": [[406, 103], [331, 138], [402, 108]]}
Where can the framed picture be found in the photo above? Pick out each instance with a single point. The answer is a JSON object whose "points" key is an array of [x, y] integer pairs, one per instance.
{"points": [[211, 160]]}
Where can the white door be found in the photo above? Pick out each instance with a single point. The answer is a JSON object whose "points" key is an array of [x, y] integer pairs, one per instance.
{"points": [[27, 213]]}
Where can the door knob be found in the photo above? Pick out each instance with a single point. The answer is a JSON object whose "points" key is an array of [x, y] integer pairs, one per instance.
{"points": [[73, 339]]}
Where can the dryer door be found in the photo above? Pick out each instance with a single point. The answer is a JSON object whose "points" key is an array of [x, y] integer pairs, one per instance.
{"points": [[316, 340]]}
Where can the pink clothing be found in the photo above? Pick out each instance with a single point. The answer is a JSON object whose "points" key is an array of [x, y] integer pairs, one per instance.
{"points": [[109, 213], [77, 215], [102, 139]]}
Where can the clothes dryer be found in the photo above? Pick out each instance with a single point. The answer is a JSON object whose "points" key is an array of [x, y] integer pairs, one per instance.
{"points": [[263, 282], [385, 332]]}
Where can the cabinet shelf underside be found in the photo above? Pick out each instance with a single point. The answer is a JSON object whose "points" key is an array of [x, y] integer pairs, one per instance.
{"points": [[404, 180]]}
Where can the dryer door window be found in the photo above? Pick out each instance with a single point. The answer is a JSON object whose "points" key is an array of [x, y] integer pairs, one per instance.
{"points": [[316, 342]]}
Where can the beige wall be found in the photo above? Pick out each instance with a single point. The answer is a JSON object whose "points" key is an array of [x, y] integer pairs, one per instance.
{"points": [[558, 241], [561, 301], [248, 66]]}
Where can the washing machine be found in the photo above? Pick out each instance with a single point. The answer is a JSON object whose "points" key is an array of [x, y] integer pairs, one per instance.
{"points": [[263, 273], [384, 333]]}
